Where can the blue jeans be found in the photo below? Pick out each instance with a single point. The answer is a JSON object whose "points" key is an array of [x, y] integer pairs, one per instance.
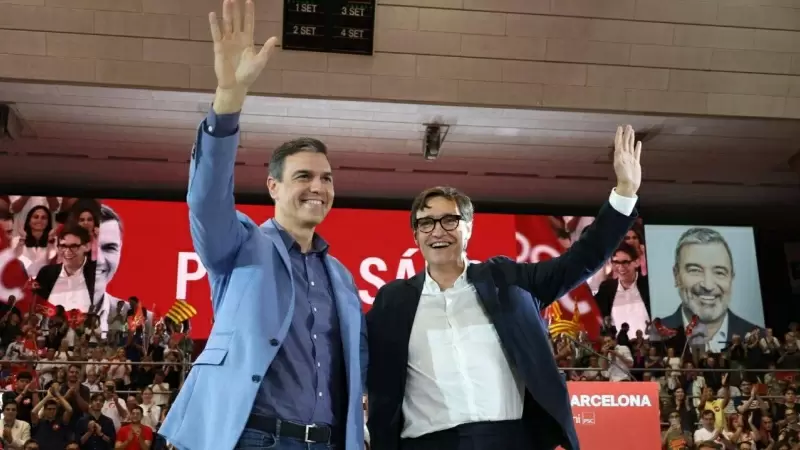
{"points": [[258, 440]]}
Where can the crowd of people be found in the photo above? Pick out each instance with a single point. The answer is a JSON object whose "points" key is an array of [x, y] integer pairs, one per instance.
{"points": [[97, 378], [66, 385], [741, 398], [79, 368]]}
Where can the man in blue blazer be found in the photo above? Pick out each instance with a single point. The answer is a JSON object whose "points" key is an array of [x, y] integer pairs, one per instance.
{"points": [[460, 357], [284, 364]]}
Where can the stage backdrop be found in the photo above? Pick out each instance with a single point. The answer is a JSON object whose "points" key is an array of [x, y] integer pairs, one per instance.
{"points": [[606, 412], [150, 252]]}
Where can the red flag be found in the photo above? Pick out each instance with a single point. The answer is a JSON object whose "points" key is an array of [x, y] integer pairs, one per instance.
{"points": [[137, 319], [663, 330], [12, 272], [690, 327]]}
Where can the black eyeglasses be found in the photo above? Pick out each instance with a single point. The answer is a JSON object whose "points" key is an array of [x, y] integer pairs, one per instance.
{"points": [[72, 247], [448, 223], [617, 262]]}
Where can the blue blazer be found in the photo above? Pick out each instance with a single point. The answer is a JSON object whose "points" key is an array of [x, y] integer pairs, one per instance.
{"points": [[249, 271], [513, 295]]}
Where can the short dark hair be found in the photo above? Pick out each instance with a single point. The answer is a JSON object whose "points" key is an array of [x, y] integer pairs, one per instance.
{"points": [[75, 230], [25, 376], [290, 148], [97, 396], [463, 202], [708, 412], [628, 249], [6, 215]]}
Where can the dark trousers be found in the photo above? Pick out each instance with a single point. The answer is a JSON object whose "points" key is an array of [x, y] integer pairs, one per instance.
{"points": [[506, 435]]}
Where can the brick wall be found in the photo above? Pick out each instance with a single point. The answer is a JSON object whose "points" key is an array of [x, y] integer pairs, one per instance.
{"points": [[717, 57]]}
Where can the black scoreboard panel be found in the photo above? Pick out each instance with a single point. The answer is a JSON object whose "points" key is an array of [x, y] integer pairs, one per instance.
{"points": [[331, 26]]}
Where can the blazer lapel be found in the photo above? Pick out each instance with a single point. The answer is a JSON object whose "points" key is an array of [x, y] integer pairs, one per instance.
{"points": [[347, 307], [90, 275], [268, 228], [406, 311], [480, 275]]}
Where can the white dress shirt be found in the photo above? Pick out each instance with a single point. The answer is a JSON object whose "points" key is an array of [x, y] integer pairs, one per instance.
{"points": [[70, 291], [457, 369], [618, 370], [629, 307], [20, 434]]}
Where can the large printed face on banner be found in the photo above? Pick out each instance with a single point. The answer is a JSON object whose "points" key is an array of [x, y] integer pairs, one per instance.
{"points": [[710, 272], [144, 249]]}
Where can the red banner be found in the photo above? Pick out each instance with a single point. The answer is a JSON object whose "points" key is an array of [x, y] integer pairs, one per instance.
{"points": [[149, 254], [158, 262], [607, 412]]}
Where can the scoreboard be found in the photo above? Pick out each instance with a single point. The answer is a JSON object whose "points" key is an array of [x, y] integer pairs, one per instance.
{"points": [[330, 26]]}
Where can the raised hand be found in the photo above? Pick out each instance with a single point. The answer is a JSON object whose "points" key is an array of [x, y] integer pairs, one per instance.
{"points": [[626, 161], [237, 62]]}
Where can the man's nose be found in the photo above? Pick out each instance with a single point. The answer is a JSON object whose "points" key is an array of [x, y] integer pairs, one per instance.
{"points": [[708, 282], [316, 184], [438, 231]]}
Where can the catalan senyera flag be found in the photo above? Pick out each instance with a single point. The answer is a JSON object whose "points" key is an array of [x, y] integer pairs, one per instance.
{"points": [[558, 325], [181, 311]]}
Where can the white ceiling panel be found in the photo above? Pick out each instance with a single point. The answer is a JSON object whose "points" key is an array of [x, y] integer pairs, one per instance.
{"points": [[113, 137]]}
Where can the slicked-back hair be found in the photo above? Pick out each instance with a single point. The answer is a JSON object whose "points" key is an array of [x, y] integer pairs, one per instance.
{"points": [[701, 236], [287, 149], [420, 203]]}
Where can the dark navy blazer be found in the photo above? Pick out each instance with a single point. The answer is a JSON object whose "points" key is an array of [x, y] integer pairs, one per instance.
{"points": [[513, 294]]}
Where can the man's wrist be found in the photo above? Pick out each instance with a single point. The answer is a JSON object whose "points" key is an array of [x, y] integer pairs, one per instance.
{"points": [[229, 101], [625, 190]]}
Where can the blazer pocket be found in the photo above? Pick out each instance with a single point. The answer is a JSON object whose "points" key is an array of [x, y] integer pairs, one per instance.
{"points": [[216, 349]]}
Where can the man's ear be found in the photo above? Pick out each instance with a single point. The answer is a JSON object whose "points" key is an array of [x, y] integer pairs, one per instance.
{"points": [[467, 231], [272, 187]]}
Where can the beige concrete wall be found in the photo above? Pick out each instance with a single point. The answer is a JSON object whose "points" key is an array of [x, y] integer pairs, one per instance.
{"points": [[718, 57]]}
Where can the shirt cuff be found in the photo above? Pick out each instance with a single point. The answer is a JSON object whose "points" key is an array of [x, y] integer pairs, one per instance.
{"points": [[623, 205], [222, 125]]}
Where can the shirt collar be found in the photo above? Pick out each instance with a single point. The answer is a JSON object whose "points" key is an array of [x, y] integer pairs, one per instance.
{"points": [[318, 245], [431, 286], [79, 271], [634, 285]]}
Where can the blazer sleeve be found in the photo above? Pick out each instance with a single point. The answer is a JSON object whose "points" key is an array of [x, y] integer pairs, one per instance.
{"points": [[217, 233], [551, 279], [605, 296], [46, 279]]}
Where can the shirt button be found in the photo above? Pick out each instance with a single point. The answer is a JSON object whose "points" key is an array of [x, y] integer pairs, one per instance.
{"points": [[314, 336], [256, 378], [318, 365], [210, 129], [315, 309], [312, 283], [320, 394], [273, 342]]}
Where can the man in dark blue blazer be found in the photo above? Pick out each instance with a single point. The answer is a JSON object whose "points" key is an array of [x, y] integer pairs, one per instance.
{"points": [[460, 357]]}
